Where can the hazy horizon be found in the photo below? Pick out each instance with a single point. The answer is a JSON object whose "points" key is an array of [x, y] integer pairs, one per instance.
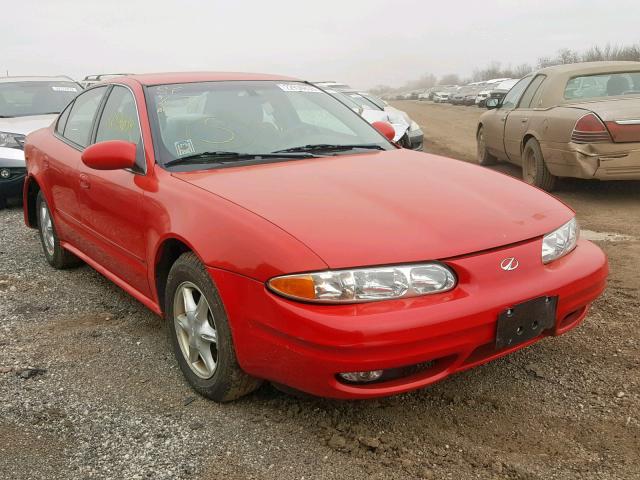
{"points": [[360, 43]]}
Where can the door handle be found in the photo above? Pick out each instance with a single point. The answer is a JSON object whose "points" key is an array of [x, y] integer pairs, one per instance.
{"points": [[502, 119], [524, 120], [84, 181], [45, 161]]}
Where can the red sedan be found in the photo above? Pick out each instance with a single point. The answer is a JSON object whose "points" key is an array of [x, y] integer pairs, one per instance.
{"points": [[284, 238]]}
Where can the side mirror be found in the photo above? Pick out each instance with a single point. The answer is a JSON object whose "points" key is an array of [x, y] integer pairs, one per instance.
{"points": [[491, 103], [110, 155], [385, 129]]}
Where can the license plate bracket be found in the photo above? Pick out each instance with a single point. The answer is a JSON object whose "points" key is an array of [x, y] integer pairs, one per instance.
{"points": [[525, 321]]}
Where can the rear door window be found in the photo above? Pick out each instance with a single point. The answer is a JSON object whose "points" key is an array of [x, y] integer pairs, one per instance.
{"points": [[511, 98], [527, 97], [83, 112], [62, 119]]}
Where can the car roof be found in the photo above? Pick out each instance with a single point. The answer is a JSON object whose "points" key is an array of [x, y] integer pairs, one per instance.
{"points": [[103, 76], [59, 78], [149, 79], [586, 68]]}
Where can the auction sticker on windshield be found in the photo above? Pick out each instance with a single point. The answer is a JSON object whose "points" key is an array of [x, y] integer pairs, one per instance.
{"points": [[298, 87], [64, 89]]}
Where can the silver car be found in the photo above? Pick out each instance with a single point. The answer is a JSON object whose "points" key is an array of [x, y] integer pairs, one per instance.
{"points": [[26, 104]]}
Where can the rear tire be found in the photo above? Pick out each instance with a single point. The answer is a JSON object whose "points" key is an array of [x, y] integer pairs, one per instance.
{"points": [[56, 256], [534, 168], [484, 157], [3, 203], [200, 334]]}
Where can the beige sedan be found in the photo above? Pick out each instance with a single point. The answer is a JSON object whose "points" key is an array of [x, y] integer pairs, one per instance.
{"points": [[579, 120]]}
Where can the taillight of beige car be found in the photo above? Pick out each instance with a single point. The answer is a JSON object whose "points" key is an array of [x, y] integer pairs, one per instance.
{"points": [[580, 120]]}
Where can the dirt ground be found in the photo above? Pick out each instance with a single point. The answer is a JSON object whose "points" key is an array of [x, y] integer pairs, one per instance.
{"points": [[110, 403]]}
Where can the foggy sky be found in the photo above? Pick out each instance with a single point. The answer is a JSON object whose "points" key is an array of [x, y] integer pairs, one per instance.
{"points": [[363, 43]]}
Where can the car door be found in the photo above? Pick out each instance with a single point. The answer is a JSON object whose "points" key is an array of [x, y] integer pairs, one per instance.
{"points": [[518, 120], [111, 200], [494, 126], [60, 163]]}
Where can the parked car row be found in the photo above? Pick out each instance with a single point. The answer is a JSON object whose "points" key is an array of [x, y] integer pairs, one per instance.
{"points": [[30, 103], [472, 94]]}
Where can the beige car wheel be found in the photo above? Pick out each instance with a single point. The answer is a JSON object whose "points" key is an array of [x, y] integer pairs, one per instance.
{"points": [[534, 169]]}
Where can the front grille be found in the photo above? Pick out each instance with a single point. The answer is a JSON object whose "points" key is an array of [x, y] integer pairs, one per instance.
{"points": [[14, 172]]}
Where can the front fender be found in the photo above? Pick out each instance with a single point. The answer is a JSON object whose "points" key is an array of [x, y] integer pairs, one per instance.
{"points": [[222, 234]]}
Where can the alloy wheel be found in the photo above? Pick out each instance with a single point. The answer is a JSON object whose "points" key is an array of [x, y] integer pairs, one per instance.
{"points": [[46, 227], [195, 329]]}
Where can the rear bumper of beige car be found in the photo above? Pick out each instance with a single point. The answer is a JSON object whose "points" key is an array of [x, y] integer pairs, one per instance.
{"points": [[603, 161]]}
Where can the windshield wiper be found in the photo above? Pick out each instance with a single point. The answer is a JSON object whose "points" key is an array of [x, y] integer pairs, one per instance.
{"points": [[328, 147], [229, 157]]}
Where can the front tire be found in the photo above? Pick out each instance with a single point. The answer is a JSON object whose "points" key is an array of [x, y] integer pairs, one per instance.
{"points": [[200, 334], [55, 255], [484, 157], [534, 168]]}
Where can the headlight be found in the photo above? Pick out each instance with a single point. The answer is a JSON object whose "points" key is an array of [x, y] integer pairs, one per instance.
{"points": [[11, 140], [414, 126], [560, 242], [366, 284]]}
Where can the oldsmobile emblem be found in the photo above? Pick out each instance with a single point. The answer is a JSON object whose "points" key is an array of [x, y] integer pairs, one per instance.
{"points": [[509, 264]]}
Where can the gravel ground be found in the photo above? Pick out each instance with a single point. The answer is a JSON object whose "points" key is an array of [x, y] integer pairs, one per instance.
{"points": [[89, 388]]}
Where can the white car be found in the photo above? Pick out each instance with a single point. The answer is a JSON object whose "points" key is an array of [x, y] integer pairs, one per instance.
{"points": [[441, 97], [26, 104], [482, 97], [373, 109]]}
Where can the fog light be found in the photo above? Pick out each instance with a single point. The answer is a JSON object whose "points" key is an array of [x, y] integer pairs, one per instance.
{"points": [[4, 173], [362, 377]]}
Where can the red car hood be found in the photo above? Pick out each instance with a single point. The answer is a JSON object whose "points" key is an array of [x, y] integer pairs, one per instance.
{"points": [[388, 207]]}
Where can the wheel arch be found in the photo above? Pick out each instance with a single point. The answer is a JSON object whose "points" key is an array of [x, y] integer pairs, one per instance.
{"points": [[528, 136], [30, 194], [166, 253]]}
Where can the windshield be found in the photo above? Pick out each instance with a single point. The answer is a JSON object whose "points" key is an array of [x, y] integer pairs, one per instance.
{"points": [[251, 117], [19, 99], [607, 85]]}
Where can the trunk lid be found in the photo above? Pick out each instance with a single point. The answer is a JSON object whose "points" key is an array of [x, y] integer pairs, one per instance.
{"points": [[620, 115]]}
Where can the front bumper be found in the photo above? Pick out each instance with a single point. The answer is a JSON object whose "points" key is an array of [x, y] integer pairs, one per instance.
{"points": [[602, 161], [12, 187], [12, 159], [416, 139], [304, 346]]}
